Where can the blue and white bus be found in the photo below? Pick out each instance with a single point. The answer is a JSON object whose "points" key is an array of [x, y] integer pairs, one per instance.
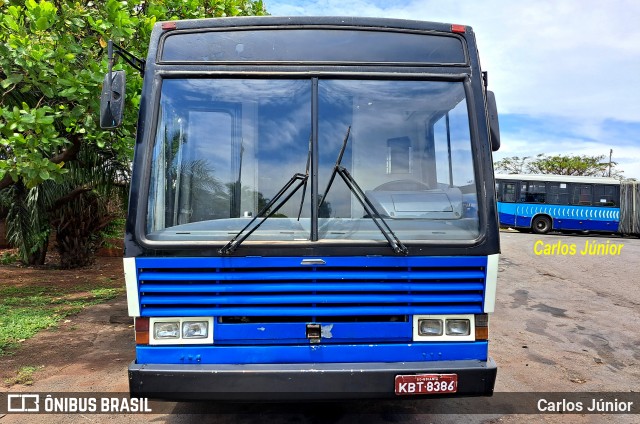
{"points": [[542, 203], [312, 210]]}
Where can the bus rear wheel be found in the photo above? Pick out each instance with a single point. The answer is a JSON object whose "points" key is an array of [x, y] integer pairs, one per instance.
{"points": [[541, 225]]}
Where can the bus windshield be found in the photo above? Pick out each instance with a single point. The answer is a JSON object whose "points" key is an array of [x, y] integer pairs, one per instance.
{"points": [[223, 148]]}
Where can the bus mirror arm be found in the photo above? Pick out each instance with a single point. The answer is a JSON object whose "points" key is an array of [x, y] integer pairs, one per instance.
{"points": [[113, 88], [128, 57]]}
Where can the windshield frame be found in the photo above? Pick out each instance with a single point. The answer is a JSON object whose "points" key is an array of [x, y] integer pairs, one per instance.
{"points": [[347, 247]]}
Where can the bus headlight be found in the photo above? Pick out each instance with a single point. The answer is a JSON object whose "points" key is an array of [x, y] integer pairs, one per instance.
{"points": [[449, 328], [430, 327], [176, 331], [195, 329], [458, 327], [166, 330]]}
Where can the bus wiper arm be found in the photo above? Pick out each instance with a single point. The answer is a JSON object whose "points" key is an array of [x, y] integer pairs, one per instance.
{"points": [[297, 181], [371, 211], [335, 168]]}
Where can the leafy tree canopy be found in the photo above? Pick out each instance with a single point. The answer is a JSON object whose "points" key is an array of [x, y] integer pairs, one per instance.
{"points": [[559, 165], [58, 170], [52, 64]]}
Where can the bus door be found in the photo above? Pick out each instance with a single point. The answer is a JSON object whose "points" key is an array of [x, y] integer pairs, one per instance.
{"points": [[507, 198]]}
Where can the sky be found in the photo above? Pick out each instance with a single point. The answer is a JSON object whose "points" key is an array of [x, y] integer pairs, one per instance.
{"points": [[566, 74]]}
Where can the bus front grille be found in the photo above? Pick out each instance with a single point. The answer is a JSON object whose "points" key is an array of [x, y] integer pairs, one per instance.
{"points": [[281, 289]]}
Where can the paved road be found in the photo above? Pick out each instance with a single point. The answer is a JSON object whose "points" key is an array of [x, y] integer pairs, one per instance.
{"points": [[572, 316], [567, 323], [563, 323]]}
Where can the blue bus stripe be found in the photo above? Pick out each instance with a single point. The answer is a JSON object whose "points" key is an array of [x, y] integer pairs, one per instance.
{"points": [[365, 287], [265, 274], [288, 333], [321, 353], [281, 262], [595, 218], [270, 299], [301, 311]]}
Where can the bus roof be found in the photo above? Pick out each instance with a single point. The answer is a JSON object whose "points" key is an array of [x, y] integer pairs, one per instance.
{"points": [[338, 21], [558, 178], [312, 39]]}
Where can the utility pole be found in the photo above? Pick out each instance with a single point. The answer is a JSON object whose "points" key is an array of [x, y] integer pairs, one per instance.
{"points": [[610, 153]]}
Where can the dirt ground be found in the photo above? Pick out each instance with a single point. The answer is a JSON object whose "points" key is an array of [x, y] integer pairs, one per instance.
{"points": [[82, 344]]}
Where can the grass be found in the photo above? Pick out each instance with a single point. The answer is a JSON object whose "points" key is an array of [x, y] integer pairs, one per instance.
{"points": [[23, 376], [8, 258], [26, 310]]}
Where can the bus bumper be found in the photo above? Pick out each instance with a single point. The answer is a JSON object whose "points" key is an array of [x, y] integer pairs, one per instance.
{"points": [[299, 381]]}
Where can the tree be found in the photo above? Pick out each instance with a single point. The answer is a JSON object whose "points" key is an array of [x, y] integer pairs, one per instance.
{"points": [[559, 165], [52, 63], [27, 226], [512, 165]]}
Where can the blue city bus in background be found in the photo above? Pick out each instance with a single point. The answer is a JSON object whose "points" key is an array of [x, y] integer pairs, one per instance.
{"points": [[542, 203], [312, 211]]}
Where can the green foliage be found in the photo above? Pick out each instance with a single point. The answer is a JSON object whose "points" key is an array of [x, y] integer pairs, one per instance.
{"points": [[24, 311], [51, 73], [24, 376], [512, 165], [559, 165], [8, 258], [570, 165], [27, 225], [52, 61], [113, 231], [52, 64], [86, 203]]}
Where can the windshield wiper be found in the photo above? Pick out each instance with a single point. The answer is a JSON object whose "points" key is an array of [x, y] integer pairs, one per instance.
{"points": [[302, 179], [306, 172], [338, 161], [359, 194], [276, 203]]}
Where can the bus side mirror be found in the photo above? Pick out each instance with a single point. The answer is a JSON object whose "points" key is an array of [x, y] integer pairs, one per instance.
{"points": [[494, 125], [112, 100]]}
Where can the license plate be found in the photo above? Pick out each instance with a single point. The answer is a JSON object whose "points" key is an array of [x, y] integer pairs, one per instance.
{"points": [[426, 384]]}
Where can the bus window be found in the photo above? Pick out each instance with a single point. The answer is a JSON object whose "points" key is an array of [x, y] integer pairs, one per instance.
{"points": [[507, 192], [532, 192], [221, 153], [605, 195], [399, 155], [410, 150], [557, 194], [581, 194]]}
